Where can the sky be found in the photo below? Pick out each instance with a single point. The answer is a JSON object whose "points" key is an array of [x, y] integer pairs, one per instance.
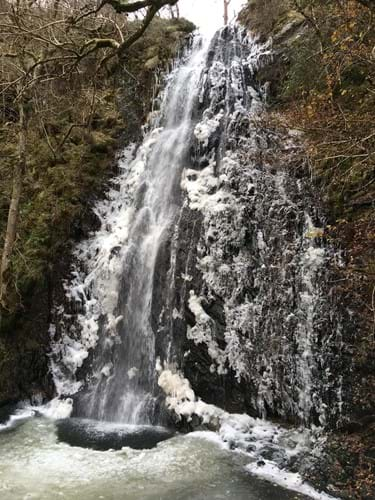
{"points": [[208, 14]]}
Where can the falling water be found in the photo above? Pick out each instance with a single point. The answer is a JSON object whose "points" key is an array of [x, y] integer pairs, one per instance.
{"points": [[115, 289], [208, 257]]}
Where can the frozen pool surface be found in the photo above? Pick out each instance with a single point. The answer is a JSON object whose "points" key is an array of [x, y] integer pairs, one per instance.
{"points": [[36, 465]]}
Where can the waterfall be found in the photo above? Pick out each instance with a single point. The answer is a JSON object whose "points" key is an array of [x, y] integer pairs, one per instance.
{"points": [[115, 288], [209, 257]]}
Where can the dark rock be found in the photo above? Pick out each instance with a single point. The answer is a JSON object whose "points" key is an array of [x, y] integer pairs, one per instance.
{"points": [[6, 411], [104, 436]]}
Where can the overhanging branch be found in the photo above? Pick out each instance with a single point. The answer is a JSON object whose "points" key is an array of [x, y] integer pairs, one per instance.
{"points": [[123, 6]]}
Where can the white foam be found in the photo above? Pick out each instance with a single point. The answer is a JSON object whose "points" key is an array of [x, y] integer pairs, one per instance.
{"points": [[55, 409], [20, 416]]}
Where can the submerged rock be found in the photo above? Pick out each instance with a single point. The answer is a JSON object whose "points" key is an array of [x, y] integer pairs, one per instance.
{"points": [[104, 436]]}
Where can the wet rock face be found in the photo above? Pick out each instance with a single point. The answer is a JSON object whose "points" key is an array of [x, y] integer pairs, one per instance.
{"points": [[250, 313], [24, 369], [5, 412]]}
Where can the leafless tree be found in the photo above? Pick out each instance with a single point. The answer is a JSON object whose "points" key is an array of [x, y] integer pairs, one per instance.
{"points": [[226, 11], [44, 41]]}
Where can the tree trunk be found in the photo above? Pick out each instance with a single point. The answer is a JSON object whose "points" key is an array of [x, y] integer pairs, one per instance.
{"points": [[226, 11], [12, 224]]}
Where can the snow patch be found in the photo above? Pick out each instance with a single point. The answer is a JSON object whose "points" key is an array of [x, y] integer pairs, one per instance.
{"points": [[289, 480], [203, 332], [255, 437], [132, 372], [206, 128]]}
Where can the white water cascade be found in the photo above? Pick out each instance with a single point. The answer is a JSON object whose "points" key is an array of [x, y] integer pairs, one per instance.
{"points": [[209, 257], [115, 287]]}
